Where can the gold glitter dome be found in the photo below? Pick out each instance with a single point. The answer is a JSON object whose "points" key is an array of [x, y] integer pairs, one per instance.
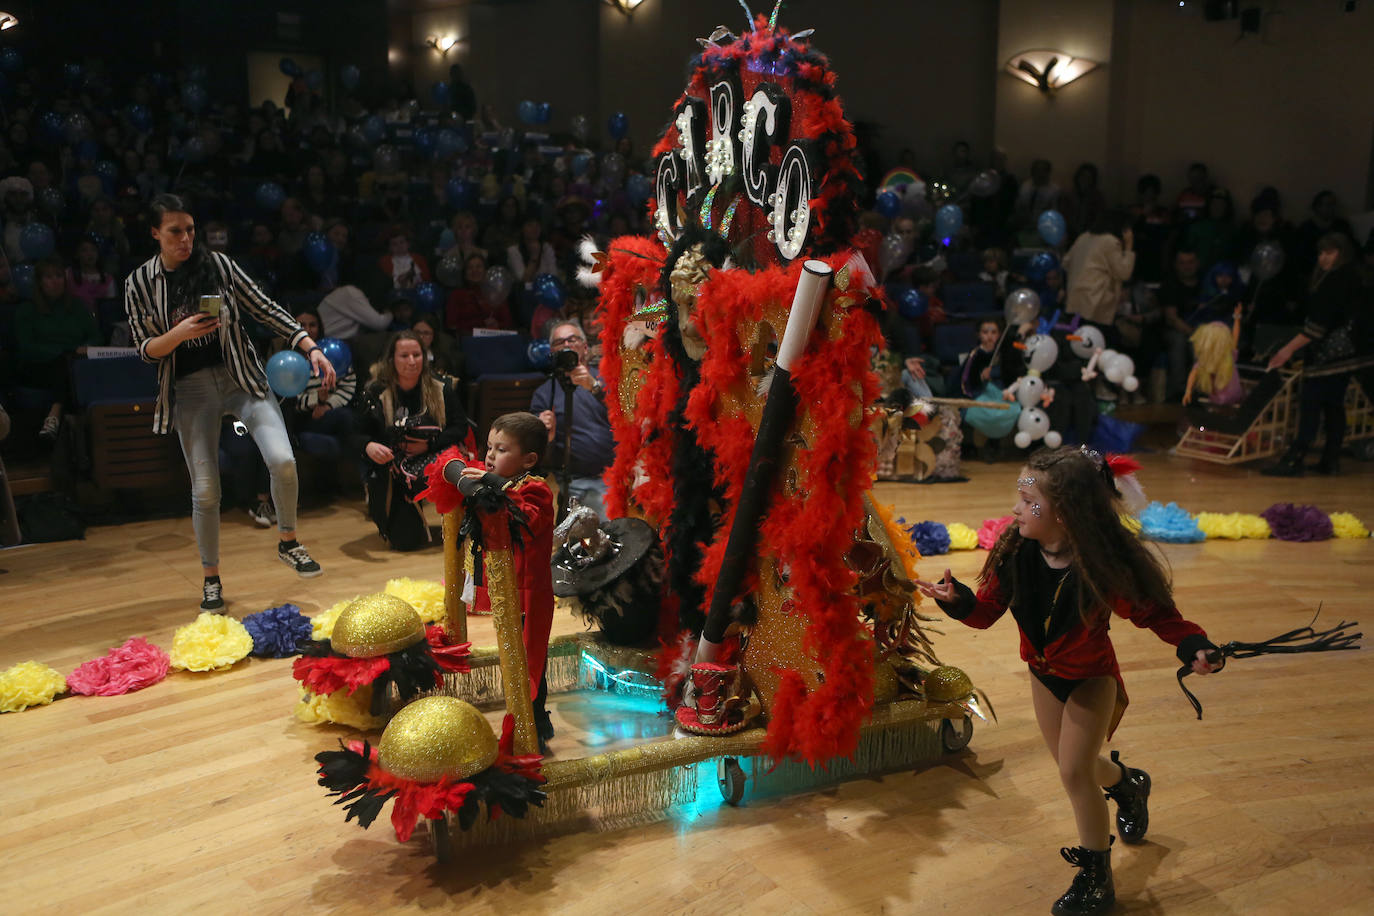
{"points": [[376, 625], [947, 684], [435, 737]]}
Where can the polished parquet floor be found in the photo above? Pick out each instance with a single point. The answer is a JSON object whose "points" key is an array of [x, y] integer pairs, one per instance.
{"points": [[198, 794]]}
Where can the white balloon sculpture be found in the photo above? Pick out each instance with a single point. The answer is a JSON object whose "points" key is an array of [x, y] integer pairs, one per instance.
{"points": [[1118, 368], [1030, 392]]}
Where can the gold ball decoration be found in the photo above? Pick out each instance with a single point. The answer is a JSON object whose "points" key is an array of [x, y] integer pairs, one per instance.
{"points": [[884, 682], [435, 737], [376, 625], [947, 684]]}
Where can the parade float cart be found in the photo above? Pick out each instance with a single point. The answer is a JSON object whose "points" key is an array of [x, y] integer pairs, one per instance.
{"points": [[784, 645]]}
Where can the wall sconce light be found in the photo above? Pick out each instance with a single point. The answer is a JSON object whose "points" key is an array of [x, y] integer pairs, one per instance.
{"points": [[8, 21], [625, 6], [442, 43], [1048, 70]]}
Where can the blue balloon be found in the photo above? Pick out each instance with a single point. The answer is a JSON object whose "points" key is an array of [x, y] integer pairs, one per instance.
{"points": [[11, 61], [449, 143], [36, 240], [140, 117], [543, 112], [338, 354], [427, 296], [618, 125], [22, 275], [107, 169], [72, 73], [349, 75], [51, 200], [193, 150], [528, 112], [638, 188], [580, 163], [888, 204], [1051, 227], [540, 355], [912, 304], [439, 93], [1041, 263], [270, 196], [424, 142], [374, 128], [314, 80], [548, 291], [318, 251], [949, 219], [289, 67], [287, 373], [194, 95], [52, 124], [461, 194]]}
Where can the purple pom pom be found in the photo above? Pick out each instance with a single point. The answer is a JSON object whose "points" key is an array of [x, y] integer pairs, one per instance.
{"points": [[931, 538], [1298, 523], [278, 631]]}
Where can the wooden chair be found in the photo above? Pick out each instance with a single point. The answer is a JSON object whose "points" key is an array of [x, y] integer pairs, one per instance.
{"points": [[126, 453], [494, 395]]}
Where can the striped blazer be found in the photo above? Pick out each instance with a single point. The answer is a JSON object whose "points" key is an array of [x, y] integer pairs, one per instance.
{"points": [[145, 301]]}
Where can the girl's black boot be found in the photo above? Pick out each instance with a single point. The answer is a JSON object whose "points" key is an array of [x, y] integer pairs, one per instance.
{"points": [[1092, 891], [1131, 795]]}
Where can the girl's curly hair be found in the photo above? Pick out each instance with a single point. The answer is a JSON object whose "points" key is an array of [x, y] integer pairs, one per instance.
{"points": [[1111, 562]]}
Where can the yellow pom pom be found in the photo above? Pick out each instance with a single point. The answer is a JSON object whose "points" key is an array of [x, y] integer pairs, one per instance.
{"points": [[425, 595], [212, 642], [29, 684], [322, 624], [1345, 525], [339, 708], [1130, 522], [962, 537], [1253, 527]]}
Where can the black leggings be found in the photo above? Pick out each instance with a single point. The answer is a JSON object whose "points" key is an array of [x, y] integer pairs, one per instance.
{"points": [[1323, 396]]}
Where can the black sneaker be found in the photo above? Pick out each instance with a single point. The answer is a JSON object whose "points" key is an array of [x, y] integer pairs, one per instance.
{"points": [[298, 559], [212, 595]]}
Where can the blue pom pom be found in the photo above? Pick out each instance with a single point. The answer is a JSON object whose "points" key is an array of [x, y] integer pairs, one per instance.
{"points": [[1169, 523], [931, 538], [278, 631]]}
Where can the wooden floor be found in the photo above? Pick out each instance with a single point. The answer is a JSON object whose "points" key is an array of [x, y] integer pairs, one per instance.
{"points": [[199, 793]]}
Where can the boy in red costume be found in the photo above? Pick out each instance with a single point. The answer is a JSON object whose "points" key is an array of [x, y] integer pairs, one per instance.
{"points": [[515, 448]]}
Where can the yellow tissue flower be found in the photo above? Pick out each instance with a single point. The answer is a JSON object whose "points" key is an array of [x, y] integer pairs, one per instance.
{"points": [[1232, 525], [29, 684], [212, 642], [1345, 525], [340, 708], [425, 595], [962, 537], [322, 624]]}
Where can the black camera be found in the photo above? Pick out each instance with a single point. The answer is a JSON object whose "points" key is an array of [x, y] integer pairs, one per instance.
{"points": [[565, 361]]}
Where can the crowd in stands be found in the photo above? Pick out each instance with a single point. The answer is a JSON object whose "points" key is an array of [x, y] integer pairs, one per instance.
{"points": [[443, 221]]}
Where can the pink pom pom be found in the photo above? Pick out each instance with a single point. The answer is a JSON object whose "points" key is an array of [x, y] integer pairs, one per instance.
{"points": [[992, 530], [132, 666]]}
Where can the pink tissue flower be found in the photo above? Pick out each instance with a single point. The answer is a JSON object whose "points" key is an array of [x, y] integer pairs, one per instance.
{"points": [[130, 667], [992, 530]]}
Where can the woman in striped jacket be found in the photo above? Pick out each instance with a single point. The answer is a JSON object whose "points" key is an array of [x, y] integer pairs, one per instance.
{"points": [[207, 368]]}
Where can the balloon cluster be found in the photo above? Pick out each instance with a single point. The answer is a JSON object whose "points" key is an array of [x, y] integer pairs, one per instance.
{"points": [[534, 112]]}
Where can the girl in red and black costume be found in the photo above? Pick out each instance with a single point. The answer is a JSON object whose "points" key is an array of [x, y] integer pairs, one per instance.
{"points": [[1063, 569]]}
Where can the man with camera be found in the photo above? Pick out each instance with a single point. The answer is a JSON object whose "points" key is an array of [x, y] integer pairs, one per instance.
{"points": [[593, 445]]}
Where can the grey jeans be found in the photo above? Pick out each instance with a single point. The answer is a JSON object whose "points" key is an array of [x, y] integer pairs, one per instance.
{"points": [[201, 401]]}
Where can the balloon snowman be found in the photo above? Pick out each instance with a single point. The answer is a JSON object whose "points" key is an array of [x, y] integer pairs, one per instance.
{"points": [[1032, 394], [1118, 368]]}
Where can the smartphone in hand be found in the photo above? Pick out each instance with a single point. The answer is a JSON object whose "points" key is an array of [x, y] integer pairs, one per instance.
{"points": [[210, 305]]}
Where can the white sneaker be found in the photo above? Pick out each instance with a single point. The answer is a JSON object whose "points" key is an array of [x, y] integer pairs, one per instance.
{"points": [[263, 514]]}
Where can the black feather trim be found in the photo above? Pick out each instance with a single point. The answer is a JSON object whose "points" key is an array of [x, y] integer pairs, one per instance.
{"points": [[413, 670]]}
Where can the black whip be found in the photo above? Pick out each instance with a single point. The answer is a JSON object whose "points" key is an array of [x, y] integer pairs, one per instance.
{"points": [[1303, 639]]}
